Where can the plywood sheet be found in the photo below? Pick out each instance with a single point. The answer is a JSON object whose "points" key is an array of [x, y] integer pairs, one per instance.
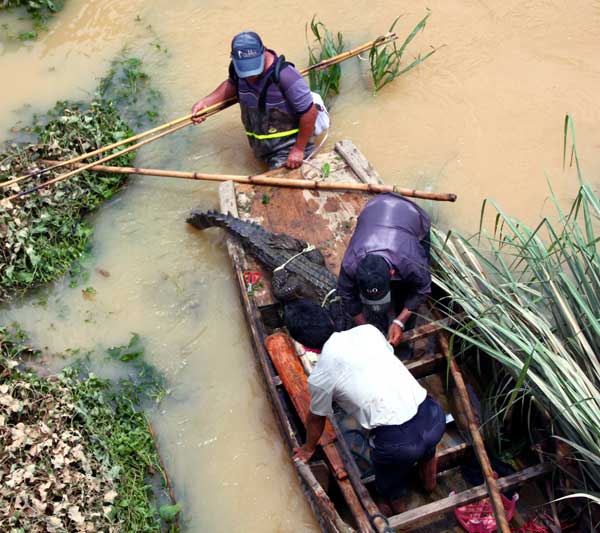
{"points": [[325, 219]]}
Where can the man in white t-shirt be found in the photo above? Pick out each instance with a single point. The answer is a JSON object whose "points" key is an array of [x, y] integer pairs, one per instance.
{"points": [[358, 370]]}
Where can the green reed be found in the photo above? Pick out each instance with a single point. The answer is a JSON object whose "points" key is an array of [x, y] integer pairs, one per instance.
{"points": [[386, 61], [532, 297], [326, 82]]}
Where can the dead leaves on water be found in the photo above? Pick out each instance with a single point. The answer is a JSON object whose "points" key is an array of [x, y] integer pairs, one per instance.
{"points": [[49, 480]]}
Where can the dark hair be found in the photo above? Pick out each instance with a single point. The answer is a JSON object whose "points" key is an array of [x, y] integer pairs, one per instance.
{"points": [[308, 323]]}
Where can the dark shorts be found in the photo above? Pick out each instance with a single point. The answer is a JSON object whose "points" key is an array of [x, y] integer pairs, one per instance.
{"points": [[396, 449]]}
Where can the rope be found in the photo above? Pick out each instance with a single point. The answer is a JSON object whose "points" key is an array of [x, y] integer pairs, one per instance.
{"points": [[312, 154], [372, 518], [324, 302], [309, 248]]}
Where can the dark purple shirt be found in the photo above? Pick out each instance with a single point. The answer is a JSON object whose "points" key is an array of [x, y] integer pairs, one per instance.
{"points": [[393, 227], [291, 96]]}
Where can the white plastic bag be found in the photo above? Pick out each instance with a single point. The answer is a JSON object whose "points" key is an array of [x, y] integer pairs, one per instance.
{"points": [[323, 121]]}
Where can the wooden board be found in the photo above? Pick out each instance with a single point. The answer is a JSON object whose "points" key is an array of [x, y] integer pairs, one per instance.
{"points": [[283, 355], [465, 497], [327, 218]]}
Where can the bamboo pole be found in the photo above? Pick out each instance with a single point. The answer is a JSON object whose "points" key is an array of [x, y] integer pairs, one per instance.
{"points": [[378, 521], [207, 111], [478, 445], [82, 167], [321, 498], [275, 182]]}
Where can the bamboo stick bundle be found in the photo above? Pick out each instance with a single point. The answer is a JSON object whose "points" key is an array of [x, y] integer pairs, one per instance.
{"points": [[206, 112], [264, 180]]}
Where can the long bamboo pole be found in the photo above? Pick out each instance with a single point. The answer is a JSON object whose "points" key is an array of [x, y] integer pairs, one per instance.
{"points": [[484, 461], [207, 111], [82, 167], [275, 182]]}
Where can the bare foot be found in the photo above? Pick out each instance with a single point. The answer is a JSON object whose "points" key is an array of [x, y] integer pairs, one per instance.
{"points": [[428, 473], [398, 505], [385, 508]]}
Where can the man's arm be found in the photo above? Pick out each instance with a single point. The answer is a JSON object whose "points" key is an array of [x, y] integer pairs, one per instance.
{"points": [[395, 332], [348, 292], [315, 424], [420, 279], [225, 90], [306, 127]]}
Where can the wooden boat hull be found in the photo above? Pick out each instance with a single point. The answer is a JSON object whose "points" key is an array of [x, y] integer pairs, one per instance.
{"points": [[343, 497]]}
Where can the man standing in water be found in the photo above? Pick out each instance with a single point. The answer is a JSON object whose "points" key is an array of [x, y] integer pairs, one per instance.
{"points": [[276, 104], [385, 271], [358, 370]]}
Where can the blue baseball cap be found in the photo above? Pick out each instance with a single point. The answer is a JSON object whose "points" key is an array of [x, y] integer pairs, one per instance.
{"points": [[247, 54]]}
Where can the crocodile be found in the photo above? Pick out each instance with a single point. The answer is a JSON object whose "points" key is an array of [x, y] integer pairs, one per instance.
{"points": [[298, 269]]}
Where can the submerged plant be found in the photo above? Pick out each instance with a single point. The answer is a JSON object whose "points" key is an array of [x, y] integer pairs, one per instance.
{"points": [[532, 297], [386, 61], [40, 12], [128, 87], [326, 82]]}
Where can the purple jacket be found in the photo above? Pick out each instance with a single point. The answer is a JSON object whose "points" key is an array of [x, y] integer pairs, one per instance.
{"points": [[393, 227]]}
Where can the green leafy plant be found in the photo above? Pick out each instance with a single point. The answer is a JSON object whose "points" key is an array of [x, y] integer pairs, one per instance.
{"points": [[532, 297], [128, 352], [129, 87], [44, 235], [386, 61], [169, 512], [102, 459], [326, 82], [39, 11]]}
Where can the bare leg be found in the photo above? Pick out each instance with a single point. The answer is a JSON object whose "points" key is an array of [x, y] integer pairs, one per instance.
{"points": [[428, 473], [398, 505]]}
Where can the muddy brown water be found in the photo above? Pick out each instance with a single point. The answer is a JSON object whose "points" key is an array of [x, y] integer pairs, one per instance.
{"points": [[482, 118]]}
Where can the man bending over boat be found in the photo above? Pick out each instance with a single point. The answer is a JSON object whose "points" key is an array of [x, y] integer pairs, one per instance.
{"points": [[276, 104], [385, 275], [358, 370]]}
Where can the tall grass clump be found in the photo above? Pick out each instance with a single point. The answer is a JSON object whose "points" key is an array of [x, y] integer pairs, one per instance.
{"points": [[326, 82], [386, 61], [532, 298]]}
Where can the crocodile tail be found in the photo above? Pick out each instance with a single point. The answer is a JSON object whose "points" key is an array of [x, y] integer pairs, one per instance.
{"points": [[208, 219]]}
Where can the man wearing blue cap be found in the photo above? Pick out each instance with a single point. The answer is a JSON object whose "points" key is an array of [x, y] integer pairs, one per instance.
{"points": [[276, 105]]}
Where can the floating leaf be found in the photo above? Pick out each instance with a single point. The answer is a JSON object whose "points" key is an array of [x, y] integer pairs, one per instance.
{"points": [[169, 512], [128, 352]]}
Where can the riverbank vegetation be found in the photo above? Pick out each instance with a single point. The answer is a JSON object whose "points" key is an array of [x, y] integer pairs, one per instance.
{"points": [[45, 233], [532, 299], [326, 82], [76, 452], [38, 11]]}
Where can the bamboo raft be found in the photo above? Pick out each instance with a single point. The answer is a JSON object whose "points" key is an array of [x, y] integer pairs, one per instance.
{"points": [[337, 481]]}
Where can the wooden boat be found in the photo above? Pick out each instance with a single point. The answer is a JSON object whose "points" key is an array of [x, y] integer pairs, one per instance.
{"points": [[337, 481]]}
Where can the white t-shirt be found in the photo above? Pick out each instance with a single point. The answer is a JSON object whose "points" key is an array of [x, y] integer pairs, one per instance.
{"points": [[358, 369]]}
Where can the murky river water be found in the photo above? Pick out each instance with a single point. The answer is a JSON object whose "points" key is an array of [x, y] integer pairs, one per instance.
{"points": [[483, 117]]}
